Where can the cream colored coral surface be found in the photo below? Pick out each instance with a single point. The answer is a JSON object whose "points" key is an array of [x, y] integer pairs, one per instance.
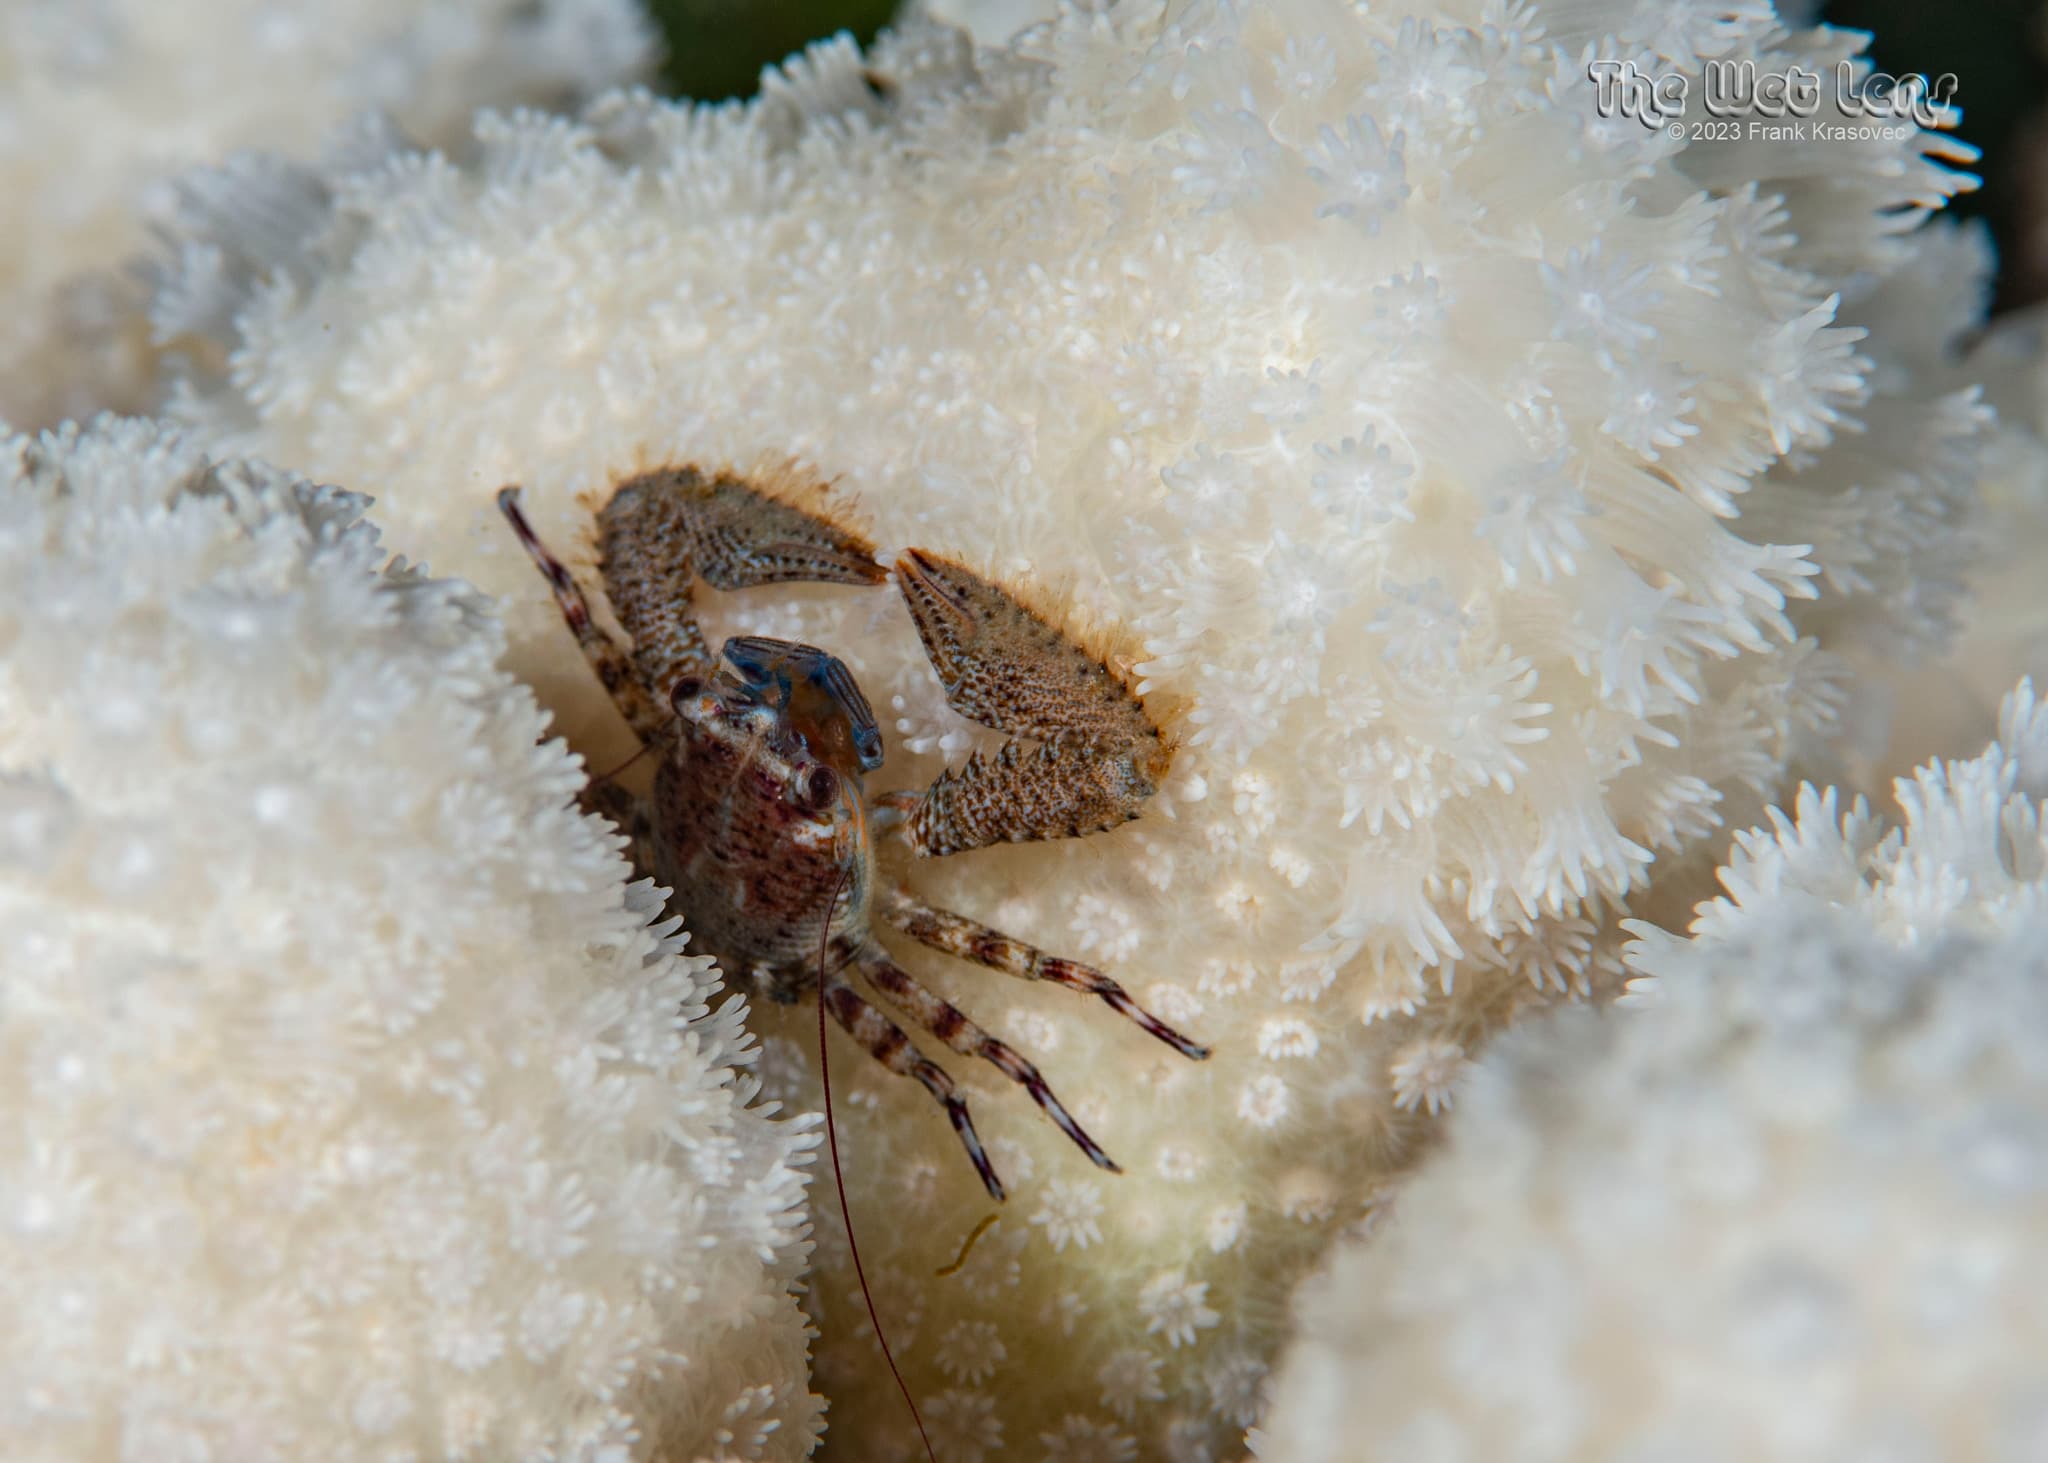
{"points": [[1905, 709], [991, 22], [103, 103], [1792, 1203], [1499, 494], [1946, 706], [352, 1104]]}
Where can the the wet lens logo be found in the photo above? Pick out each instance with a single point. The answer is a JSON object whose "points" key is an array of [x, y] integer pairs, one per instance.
{"points": [[1732, 90]]}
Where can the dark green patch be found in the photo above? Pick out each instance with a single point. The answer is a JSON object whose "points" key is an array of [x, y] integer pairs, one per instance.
{"points": [[716, 48]]}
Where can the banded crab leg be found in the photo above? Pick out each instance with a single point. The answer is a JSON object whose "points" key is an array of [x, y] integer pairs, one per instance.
{"points": [[969, 939], [952, 1026], [630, 815], [886, 1042], [647, 716]]}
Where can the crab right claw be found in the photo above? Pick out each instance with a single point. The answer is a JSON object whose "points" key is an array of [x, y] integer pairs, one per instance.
{"points": [[1005, 665]]}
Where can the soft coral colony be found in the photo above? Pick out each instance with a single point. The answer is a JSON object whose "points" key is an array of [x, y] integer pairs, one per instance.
{"points": [[1790, 1200], [1501, 492], [356, 1104], [102, 104]]}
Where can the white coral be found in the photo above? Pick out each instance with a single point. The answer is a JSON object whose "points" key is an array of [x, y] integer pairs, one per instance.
{"points": [[101, 103], [991, 22], [1945, 705], [355, 1106], [1493, 530], [1793, 1206]]}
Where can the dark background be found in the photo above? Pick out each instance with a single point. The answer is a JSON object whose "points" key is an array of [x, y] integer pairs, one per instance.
{"points": [[1997, 48]]}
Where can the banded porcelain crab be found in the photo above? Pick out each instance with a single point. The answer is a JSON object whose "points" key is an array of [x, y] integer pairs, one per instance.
{"points": [[759, 823]]}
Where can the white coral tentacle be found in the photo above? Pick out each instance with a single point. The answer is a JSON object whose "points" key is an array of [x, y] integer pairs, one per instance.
{"points": [[103, 103], [354, 1103], [1789, 1200]]}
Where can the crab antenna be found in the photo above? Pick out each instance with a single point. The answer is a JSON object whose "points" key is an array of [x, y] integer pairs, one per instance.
{"points": [[839, 1177], [645, 748]]}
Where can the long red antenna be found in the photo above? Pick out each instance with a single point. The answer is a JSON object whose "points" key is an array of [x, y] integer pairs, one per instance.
{"points": [[839, 1178]]}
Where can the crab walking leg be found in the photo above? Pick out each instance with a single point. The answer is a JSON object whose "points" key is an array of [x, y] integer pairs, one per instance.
{"points": [[951, 1025], [629, 815], [1099, 754], [956, 934], [614, 667], [665, 529], [884, 1040]]}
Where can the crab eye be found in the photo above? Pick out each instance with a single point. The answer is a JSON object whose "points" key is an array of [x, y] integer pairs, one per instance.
{"points": [[817, 787], [684, 691]]}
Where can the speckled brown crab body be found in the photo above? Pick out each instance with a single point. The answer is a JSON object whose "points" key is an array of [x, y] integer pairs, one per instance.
{"points": [[760, 824], [759, 835]]}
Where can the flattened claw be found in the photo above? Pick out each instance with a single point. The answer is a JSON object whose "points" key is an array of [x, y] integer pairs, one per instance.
{"points": [[733, 534], [664, 530], [923, 579], [1007, 666]]}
